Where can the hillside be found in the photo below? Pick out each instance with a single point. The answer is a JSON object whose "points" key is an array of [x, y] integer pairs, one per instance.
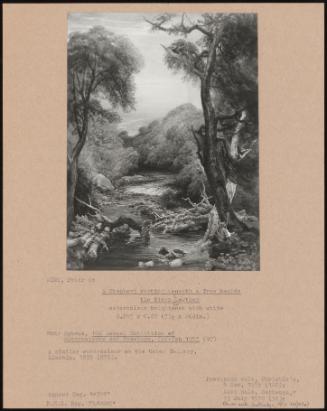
{"points": [[168, 142]]}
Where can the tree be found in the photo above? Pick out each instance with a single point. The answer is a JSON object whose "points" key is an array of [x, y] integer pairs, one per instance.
{"points": [[224, 60], [101, 66]]}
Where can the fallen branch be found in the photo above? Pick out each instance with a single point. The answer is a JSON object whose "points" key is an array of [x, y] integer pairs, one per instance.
{"points": [[88, 205], [94, 233]]}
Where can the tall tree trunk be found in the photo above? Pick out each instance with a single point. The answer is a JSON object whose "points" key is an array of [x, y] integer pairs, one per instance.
{"points": [[71, 187], [213, 150], [231, 186], [72, 165], [216, 175], [234, 146]]}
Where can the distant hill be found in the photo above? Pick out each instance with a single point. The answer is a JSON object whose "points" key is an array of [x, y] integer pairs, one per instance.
{"points": [[160, 141], [183, 112]]}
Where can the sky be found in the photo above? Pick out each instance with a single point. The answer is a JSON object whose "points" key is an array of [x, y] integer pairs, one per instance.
{"points": [[158, 89]]}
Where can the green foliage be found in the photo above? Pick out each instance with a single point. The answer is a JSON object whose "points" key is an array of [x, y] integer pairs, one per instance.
{"points": [[105, 153], [229, 42], [247, 196], [191, 180], [169, 199], [101, 68], [169, 143], [101, 64], [182, 56], [235, 69]]}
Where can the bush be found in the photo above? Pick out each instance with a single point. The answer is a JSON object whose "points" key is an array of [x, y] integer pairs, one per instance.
{"points": [[191, 181], [169, 199], [247, 197], [105, 152], [169, 143]]}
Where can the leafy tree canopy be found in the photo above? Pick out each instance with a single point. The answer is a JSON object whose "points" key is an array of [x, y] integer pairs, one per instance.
{"points": [[234, 76], [100, 69]]}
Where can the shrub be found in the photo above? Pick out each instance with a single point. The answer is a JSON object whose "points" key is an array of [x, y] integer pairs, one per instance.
{"points": [[191, 180], [169, 199]]}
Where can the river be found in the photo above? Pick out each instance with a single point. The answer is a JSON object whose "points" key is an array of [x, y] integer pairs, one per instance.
{"points": [[128, 257]]}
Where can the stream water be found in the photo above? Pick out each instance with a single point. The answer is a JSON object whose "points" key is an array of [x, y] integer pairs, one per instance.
{"points": [[158, 185], [128, 257]]}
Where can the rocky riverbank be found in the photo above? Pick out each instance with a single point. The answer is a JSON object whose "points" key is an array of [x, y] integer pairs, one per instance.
{"points": [[130, 230]]}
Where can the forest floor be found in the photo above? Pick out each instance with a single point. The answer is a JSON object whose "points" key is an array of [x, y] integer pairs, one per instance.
{"points": [[167, 248]]}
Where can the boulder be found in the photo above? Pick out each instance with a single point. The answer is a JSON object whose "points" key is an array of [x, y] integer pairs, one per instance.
{"points": [[179, 252], [102, 183], [123, 230], [252, 222], [148, 264], [176, 263], [163, 251]]}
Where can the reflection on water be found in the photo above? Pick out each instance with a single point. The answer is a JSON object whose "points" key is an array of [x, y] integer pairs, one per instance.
{"points": [[127, 257], [147, 189], [152, 188]]}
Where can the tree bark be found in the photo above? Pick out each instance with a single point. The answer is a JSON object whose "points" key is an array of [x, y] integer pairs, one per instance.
{"points": [[213, 150], [71, 187], [234, 146], [72, 163]]}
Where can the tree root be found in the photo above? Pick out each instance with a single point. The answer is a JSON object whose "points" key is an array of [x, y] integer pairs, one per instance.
{"points": [[93, 234], [200, 216]]}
